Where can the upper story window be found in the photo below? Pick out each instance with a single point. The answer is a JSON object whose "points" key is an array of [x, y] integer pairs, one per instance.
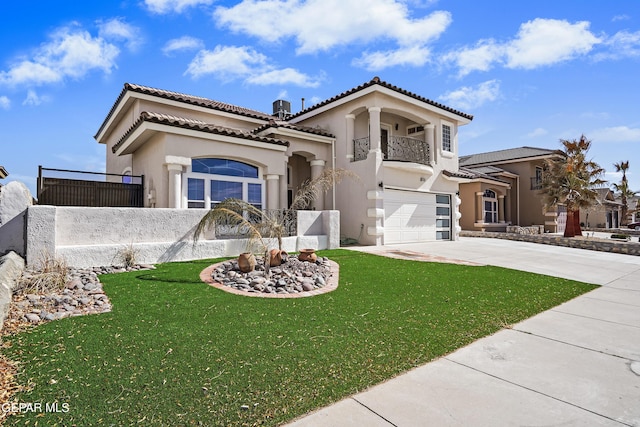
{"points": [[536, 181], [446, 138], [415, 129]]}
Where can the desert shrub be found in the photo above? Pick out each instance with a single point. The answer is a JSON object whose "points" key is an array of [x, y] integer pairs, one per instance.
{"points": [[50, 275]]}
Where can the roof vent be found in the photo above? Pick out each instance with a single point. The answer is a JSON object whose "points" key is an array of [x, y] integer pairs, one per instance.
{"points": [[281, 109]]}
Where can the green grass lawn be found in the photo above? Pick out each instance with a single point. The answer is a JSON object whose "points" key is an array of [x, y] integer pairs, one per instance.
{"points": [[175, 351]]}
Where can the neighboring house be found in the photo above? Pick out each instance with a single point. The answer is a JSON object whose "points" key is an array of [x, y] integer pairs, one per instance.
{"points": [[502, 188], [605, 213], [195, 152], [3, 174]]}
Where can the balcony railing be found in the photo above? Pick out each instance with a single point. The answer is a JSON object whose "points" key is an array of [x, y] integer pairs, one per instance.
{"points": [[398, 148]]}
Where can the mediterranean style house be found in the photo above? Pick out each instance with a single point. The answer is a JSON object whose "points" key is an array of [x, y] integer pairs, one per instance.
{"points": [[195, 152], [605, 213], [502, 188]]}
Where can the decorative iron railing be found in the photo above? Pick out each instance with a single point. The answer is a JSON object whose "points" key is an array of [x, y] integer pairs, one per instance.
{"points": [[398, 148], [271, 223], [405, 149], [361, 147]]}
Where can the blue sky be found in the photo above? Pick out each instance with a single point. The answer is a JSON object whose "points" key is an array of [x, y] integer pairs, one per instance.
{"points": [[531, 73]]}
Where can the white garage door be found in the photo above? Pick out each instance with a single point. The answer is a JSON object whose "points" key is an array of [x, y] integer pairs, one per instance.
{"points": [[409, 217]]}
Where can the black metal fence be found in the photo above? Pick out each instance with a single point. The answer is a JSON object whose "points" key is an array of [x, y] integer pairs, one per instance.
{"points": [[63, 187]]}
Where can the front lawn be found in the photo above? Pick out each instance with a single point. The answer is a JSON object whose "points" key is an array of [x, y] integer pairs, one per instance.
{"points": [[175, 351]]}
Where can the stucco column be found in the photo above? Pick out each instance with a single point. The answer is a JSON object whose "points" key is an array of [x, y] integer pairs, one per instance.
{"points": [[174, 166], [175, 185], [374, 129], [479, 206], [501, 208], [350, 120], [429, 139], [317, 166], [273, 191]]}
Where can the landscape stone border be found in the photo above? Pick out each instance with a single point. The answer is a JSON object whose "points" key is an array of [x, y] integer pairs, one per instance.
{"points": [[590, 243], [331, 285]]}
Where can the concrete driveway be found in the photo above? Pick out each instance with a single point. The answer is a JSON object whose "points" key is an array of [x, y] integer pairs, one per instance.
{"points": [[577, 364]]}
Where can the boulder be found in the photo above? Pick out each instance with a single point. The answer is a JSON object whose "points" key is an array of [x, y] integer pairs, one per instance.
{"points": [[15, 197]]}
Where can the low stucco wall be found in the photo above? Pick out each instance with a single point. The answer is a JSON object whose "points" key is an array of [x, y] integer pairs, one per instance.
{"points": [[629, 248], [89, 237]]}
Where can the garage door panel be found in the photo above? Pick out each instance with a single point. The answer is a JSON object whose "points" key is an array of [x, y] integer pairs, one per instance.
{"points": [[409, 217]]}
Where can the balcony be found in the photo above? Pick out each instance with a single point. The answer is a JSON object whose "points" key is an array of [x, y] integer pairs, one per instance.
{"points": [[395, 148]]}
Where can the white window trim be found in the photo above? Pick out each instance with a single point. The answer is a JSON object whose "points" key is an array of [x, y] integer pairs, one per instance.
{"points": [[494, 213], [448, 153], [207, 177]]}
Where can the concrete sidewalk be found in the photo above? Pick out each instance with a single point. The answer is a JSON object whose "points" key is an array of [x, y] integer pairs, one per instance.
{"points": [[577, 364]]}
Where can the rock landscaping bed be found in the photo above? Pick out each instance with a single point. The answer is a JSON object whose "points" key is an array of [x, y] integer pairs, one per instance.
{"points": [[81, 295], [290, 279]]}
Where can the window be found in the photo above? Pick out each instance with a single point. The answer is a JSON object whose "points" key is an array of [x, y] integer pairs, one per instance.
{"points": [[536, 181], [443, 217], [446, 138], [212, 180], [414, 129], [195, 193], [490, 208]]}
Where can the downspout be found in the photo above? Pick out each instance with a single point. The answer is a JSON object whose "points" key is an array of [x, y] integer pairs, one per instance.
{"points": [[333, 165], [518, 198]]}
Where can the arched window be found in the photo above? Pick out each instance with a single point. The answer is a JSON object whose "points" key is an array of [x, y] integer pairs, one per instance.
{"points": [[490, 202], [212, 180]]}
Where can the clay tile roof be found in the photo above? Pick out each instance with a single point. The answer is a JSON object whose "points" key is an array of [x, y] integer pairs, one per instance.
{"points": [[377, 81], [471, 174], [273, 123], [198, 125], [181, 97], [506, 155]]}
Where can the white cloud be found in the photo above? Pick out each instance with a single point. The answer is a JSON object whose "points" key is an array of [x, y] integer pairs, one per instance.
{"points": [[472, 97], [167, 6], [227, 62], [116, 29], [478, 58], [412, 56], [620, 18], [5, 102], [242, 62], [540, 42], [321, 25], [282, 77], [184, 43], [547, 41], [537, 132], [622, 44], [616, 134], [34, 99], [71, 52]]}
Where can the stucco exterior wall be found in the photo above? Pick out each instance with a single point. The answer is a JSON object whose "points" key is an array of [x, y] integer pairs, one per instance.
{"points": [[531, 207], [89, 237]]}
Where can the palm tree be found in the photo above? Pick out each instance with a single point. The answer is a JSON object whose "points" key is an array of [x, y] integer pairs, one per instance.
{"points": [[624, 190], [571, 181], [258, 225]]}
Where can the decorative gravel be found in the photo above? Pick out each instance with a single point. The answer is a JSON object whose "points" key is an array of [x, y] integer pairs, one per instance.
{"points": [[291, 277]]}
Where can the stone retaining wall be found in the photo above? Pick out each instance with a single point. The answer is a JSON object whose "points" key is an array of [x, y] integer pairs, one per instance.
{"points": [[629, 248]]}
